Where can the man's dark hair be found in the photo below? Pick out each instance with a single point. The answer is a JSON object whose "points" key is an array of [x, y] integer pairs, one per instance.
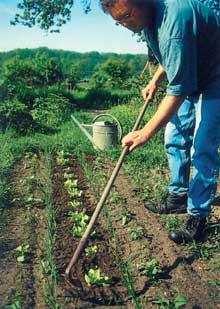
{"points": [[108, 4]]}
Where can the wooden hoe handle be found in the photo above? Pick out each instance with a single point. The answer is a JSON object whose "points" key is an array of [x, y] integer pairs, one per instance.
{"points": [[104, 196]]}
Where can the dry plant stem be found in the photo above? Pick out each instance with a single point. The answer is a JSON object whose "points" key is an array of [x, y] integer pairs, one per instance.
{"points": [[104, 196]]}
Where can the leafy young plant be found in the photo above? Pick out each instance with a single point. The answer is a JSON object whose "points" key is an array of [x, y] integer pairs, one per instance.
{"points": [[136, 233], [151, 269], [115, 197], [171, 222], [91, 250], [80, 220], [72, 189], [62, 158], [94, 277], [75, 204], [204, 250], [178, 302], [68, 175], [126, 217], [22, 252]]}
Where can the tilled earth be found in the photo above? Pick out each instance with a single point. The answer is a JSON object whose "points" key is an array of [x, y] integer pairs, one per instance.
{"points": [[76, 293], [183, 270]]}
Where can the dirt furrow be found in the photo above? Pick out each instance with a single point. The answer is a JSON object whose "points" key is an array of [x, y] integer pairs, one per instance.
{"points": [[79, 294], [177, 267], [21, 283]]}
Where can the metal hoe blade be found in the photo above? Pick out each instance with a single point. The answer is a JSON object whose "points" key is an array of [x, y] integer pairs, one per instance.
{"points": [[104, 196]]}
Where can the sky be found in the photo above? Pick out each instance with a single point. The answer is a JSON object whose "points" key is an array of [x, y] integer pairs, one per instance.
{"points": [[85, 32]]}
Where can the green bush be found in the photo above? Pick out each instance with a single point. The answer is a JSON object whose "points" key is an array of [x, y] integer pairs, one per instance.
{"points": [[34, 97], [50, 111]]}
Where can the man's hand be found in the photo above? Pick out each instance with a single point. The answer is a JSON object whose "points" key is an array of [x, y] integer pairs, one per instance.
{"points": [[167, 108], [150, 90], [134, 139]]}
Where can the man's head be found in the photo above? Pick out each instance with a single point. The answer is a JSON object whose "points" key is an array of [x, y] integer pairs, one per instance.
{"points": [[132, 14]]}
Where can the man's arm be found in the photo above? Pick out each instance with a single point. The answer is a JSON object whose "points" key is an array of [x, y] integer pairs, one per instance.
{"points": [[152, 86], [158, 75], [165, 111]]}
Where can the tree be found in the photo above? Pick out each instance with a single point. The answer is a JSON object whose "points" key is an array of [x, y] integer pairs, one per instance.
{"points": [[112, 73], [73, 76], [49, 15], [42, 71], [33, 95]]}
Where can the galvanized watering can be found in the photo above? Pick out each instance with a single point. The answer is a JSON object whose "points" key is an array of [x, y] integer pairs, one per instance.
{"points": [[105, 134]]}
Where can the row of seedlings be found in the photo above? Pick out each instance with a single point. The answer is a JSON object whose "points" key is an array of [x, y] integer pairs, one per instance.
{"points": [[93, 275]]}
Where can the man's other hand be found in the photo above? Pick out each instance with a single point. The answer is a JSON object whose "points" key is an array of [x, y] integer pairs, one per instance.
{"points": [[149, 91], [134, 139]]}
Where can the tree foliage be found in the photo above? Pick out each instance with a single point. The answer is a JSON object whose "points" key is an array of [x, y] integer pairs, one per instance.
{"points": [[34, 97], [49, 15], [112, 74]]}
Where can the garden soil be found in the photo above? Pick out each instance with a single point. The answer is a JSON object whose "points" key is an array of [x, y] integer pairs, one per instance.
{"points": [[182, 272]]}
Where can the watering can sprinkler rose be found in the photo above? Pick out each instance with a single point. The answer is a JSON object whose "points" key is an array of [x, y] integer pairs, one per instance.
{"points": [[105, 134]]}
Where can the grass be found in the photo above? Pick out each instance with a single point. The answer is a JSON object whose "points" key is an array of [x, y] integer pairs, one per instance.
{"points": [[16, 302], [5, 164], [171, 222]]}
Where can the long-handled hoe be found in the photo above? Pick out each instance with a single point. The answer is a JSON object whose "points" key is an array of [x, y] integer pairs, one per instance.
{"points": [[103, 197]]}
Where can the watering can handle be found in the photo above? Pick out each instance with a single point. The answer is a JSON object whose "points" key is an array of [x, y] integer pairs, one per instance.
{"points": [[115, 119]]}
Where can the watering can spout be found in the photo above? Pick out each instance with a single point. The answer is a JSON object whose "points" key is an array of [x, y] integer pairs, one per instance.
{"points": [[105, 134], [89, 136]]}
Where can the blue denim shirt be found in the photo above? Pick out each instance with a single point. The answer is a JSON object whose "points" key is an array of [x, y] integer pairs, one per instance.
{"points": [[185, 39]]}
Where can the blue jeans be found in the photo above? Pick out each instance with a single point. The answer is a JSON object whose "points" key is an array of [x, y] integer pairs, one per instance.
{"points": [[192, 139]]}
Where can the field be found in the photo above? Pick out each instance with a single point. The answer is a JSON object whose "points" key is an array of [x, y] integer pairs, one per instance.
{"points": [[52, 184], [51, 179]]}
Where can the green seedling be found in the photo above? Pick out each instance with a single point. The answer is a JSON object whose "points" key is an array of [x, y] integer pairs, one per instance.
{"points": [[69, 183], [75, 204], [62, 158], [94, 277], [115, 197], [22, 252], [171, 222], [78, 231], [126, 217], [91, 251], [71, 187], [151, 269], [178, 302], [205, 251], [68, 175], [46, 267], [80, 220], [136, 233]]}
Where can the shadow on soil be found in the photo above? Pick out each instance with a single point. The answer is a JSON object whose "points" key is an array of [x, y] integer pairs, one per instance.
{"points": [[213, 230]]}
